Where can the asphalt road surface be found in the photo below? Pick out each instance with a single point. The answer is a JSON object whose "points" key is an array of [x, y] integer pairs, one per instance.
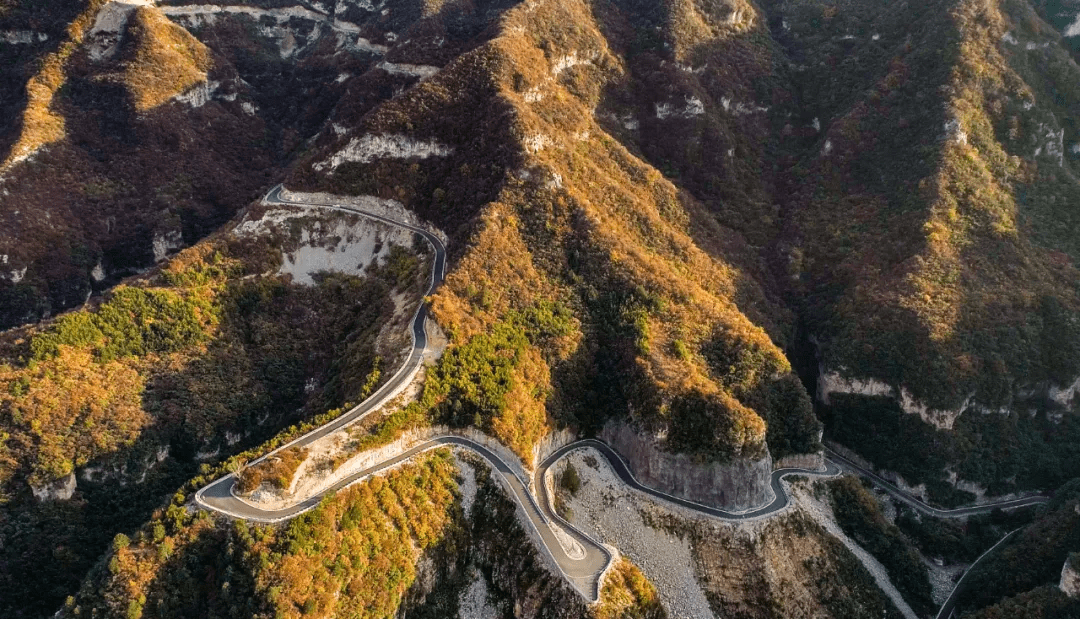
{"points": [[583, 572], [950, 604], [918, 505], [905, 498]]}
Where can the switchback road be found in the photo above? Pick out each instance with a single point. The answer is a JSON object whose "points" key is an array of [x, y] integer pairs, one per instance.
{"points": [[583, 570]]}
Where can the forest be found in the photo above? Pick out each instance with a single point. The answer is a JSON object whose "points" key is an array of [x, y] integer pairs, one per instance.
{"points": [[148, 380]]}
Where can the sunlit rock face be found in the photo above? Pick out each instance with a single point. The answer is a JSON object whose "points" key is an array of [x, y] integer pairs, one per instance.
{"points": [[1070, 576], [60, 490], [737, 485]]}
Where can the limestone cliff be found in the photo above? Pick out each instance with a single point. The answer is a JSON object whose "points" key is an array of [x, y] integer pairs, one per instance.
{"points": [[736, 485], [1070, 576], [60, 490]]}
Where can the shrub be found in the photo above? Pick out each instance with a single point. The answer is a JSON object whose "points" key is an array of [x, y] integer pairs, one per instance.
{"points": [[860, 516], [278, 470], [628, 594], [570, 480], [132, 322]]}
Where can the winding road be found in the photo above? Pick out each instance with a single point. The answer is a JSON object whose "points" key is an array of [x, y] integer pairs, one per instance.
{"points": [[922, 507], [949, 606], [584, 569]]}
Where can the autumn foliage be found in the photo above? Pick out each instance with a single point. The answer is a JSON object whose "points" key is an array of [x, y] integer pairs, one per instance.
{"points": [[69, 409], [628, 594], [354, 555]]}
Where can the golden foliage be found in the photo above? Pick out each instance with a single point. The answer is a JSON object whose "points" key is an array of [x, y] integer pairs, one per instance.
{"points": [[627, 593], [165, 60], [41, 124], [496, 275], [278, 470], [625, 222], [356, 554], [523, 422], [67, 410]]}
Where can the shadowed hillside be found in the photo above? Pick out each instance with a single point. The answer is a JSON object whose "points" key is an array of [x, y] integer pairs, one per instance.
{"points": [[705, 231]]}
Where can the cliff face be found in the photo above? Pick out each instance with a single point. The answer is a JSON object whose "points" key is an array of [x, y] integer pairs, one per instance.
{"points": [[62, 489], [736, 485], [1070, 576]]}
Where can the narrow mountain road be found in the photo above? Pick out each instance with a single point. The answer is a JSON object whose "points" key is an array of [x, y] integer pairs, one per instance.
{"points": [[922, 507], [949, 606], [584, 572], [779, 502]]}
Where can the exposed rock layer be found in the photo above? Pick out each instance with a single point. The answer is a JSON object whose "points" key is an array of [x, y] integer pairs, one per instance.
{"points": [[1070, 577], [736, 485], [60, 490]]}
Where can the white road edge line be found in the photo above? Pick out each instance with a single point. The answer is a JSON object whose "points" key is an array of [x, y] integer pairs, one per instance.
{"points": [[433, 443]]}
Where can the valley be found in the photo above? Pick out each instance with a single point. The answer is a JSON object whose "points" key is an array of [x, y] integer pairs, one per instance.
{"points": [[285, 285]]}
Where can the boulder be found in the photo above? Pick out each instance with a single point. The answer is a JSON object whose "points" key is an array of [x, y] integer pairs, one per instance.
{"points": [[60, 490]]}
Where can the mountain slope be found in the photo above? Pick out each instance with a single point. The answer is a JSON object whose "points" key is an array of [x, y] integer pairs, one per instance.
{"points": [[677, 222], [559, 210]]}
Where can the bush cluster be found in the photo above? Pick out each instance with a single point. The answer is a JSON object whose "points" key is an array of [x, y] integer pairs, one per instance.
{"points": [[860, 516]]}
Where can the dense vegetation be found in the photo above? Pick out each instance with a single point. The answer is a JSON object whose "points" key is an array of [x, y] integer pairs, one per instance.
{"points": [[860, 516], [660, 326], [161, 61], [914, 228], [959, 541], [496, 381], [1032, 558], [169, 370], [356, 554], [648, 204], [1002, 452], [1047, 602], [130, 187]]}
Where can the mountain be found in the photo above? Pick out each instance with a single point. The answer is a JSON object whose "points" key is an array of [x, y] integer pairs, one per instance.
{"points": [[712, 233]]}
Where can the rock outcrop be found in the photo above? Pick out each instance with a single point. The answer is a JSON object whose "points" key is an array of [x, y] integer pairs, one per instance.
{"points": [[736, 485], [60, 490], [830, 382], [801, 461], [1070, 576]]}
